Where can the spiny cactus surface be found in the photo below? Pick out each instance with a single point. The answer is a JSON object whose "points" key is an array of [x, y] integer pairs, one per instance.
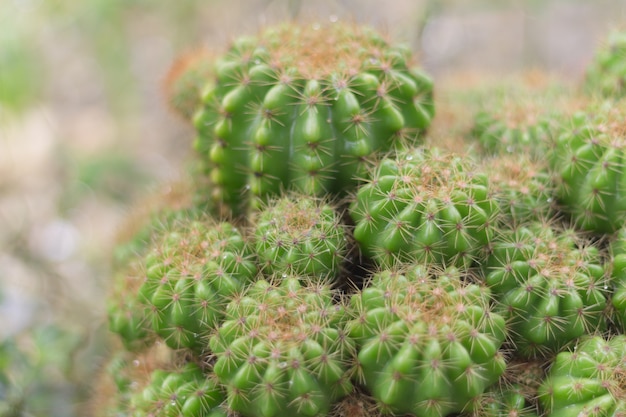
{"points": [[549, 285], [303, 107], [282, 350], [428, 344], [300, 235], [424, 205], [588, 380], [189, 273]]}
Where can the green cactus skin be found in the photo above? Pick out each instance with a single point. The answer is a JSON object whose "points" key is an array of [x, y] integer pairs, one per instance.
{"points": [[302, 236], [617, 251], [501, 135], [184, 392], [427, 343], [588, 380], [504, 401], [283, 351], [304, 107], [588, 161], [523, 187], [606, 74], [549, 285], [424, 205], [190, 273]]}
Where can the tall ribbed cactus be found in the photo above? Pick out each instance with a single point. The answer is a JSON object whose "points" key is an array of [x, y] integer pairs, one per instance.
{"points": [[304, 107]]}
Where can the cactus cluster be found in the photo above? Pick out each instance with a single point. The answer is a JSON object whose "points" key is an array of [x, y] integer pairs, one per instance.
{"points": [[336, 260]]}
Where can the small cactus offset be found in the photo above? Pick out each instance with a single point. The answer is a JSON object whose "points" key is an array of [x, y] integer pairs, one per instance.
{"points": [[550, 286], [588, 380], [282, 350], [303, 107], [302, 236], [428, 344], [424, 205]]}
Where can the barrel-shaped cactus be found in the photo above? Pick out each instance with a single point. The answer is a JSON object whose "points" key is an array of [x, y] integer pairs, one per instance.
{"points": [[428, 344], [587, 380], [550, 285], [189, 275], [424, 205], [589, 165], [282, 350], [302, 236], [304, 107]]}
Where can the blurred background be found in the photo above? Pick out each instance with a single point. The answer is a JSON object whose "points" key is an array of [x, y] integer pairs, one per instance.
{"points": [[85, 133]]}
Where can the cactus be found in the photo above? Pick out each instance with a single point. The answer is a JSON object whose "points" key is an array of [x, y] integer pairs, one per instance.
{"points": [[186, 81], [588, 162], [428, 344], [282, 350], [587, 380], [549, 284], [424, 205], [187, 276], [303, 107], [302, 236], [617, 261], [606, 74], [504, 401], [523, 187]]}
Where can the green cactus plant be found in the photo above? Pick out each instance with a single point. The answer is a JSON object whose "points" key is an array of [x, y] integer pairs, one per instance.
{"points": [[588, 164], [606, 74], [282, 350], [424, 205], [523, 187], [302, 236], [428, 344], [617, 250], [303, 107], [549, 284], [587, 380]]}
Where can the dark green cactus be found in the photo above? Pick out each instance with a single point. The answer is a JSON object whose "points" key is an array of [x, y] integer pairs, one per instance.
{"points": [[424, 205], [587, 380], [428, 344], [302, 236], [504, 401], [589, 165], [549, 284], [282, 350], [304, 107]]}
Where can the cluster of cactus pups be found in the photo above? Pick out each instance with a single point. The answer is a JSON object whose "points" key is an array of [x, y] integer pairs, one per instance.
{"points": [[334, 258]]}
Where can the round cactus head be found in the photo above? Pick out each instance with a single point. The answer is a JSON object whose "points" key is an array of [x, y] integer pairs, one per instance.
{"points": [[424, 205], [183, 283], [550, 284], [282, 350], [302, 236], [588, 161], [428, 344], [304, 107], [523, 187]]}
